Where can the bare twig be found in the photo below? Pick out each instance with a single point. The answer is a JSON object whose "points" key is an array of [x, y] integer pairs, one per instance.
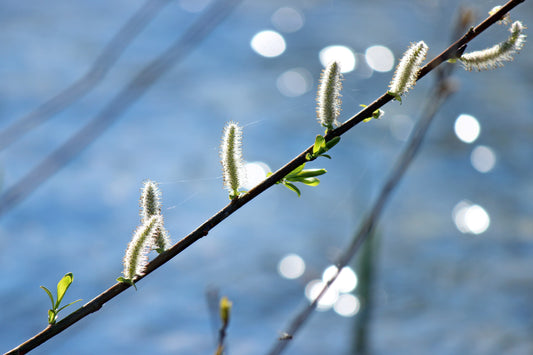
{"points": [[443, 88], [199, 30], [109, 56], [97, 303], [371, 220]]}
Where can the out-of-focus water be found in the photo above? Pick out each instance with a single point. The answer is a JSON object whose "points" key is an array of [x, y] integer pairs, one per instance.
{"points": [[455, 257]]}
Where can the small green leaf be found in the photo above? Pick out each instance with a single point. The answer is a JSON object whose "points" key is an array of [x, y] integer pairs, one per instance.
{"points": [[49, 295], [320, 143], [325, 156], [452, 60], [309, 156], [311, 173], [396, 96], [333, 142], [378, 114], [62, 287], [292, 187], [312, 181], [367, 119], [52, 316], [71, 303], [296, 171], [127, 281]]}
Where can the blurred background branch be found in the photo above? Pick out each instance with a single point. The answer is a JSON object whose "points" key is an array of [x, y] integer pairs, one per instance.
{"points": [[105, 61]]}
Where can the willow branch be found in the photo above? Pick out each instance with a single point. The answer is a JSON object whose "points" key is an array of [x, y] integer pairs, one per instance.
{"points": [[202, 231]]}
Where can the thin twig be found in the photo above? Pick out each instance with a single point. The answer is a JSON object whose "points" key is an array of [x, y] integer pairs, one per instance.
{"points": [[105, 61], [443, 88], [97, 303], [371, 220], [198, 31]]}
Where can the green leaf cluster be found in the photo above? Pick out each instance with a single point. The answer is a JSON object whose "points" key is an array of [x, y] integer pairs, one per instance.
{"points": [[321, 146], [304, 176], [62, 287]]}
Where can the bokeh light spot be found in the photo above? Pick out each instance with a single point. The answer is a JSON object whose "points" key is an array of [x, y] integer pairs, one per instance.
{"points": [[483, 159], [467, 128], [255, 173], [470, 218], [400, 127], [347, 305], [379, 58], [268, 43], [294, 82], [291, 266], [342, 54], [313, 289], [345, 282], [287, 19]]}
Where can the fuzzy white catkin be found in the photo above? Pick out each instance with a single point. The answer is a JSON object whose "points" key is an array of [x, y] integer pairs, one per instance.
{"points": [[407, 70], [231, 158], [150, 200], [140, 245], [329, 97], [497, 55]]}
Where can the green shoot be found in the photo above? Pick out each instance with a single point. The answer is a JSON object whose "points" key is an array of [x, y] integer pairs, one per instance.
{"points": [[127, 281], [62, 288], [377, 114], [304, 176], [321, 146]]}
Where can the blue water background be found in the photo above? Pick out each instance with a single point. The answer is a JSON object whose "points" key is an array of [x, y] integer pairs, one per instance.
{"points": [[436, 290]]}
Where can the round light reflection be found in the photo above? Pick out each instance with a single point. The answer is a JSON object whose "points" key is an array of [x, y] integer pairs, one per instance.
{"points": [[345, 282], [287, 19], [313, 289], [341, 54], [256, 172], [268, 43], [401, 127], [467, 128], [347, 305], [379, 58], [291, 266], [483, 159], [294, 82], [470, 218]]}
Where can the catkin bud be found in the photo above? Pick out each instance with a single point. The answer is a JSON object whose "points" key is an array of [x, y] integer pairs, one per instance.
{"points": [[149, 201], [329, 97], [407, 70], [140, 245], [497, 55], [231, 158]]}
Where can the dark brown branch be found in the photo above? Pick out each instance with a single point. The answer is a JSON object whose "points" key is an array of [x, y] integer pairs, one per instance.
{"points": [[97, 303], [109, 56]]}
